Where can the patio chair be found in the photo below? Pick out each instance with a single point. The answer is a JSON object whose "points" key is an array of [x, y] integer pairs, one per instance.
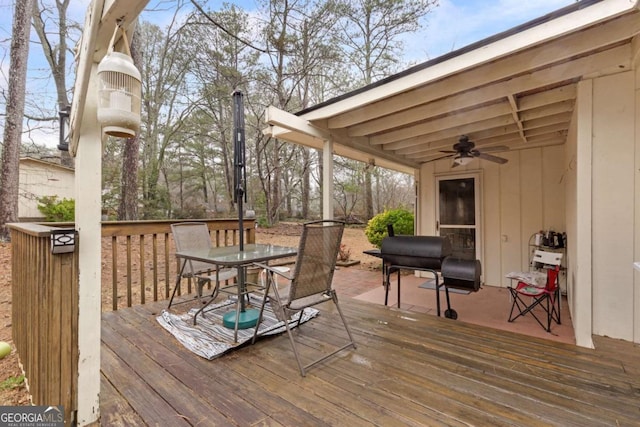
{"points": [[547, 296], [310, 283], [195, 235]]}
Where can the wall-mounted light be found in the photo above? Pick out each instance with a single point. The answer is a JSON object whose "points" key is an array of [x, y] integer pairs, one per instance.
{"points": [[63, 143], [119, 91], [63, 240]]}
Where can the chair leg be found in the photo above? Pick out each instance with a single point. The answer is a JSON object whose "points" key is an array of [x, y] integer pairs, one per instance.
{"points": [[545, 302], [351, 343], [177, 285], [295, 349], [334, 296], [264, 301]]}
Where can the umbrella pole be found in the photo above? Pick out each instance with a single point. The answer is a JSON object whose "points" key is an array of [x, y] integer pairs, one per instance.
{"points": [[242, 318]]}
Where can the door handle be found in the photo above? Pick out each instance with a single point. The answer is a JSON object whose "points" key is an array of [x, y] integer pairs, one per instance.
{"points": [[437, 225]]}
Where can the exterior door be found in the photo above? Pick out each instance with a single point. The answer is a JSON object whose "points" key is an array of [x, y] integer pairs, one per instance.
{"points": [[458, 213]]}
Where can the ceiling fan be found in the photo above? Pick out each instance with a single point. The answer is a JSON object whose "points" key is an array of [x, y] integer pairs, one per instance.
{"points": [[464, 151]]}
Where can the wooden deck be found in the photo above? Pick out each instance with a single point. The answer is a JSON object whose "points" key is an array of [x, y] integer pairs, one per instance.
{"points": [[409, 369]]}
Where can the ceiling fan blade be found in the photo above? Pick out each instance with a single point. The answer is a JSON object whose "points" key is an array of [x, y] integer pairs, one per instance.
{"points": [[494, 148], [491, 158], [442, 157], [448, 151]]}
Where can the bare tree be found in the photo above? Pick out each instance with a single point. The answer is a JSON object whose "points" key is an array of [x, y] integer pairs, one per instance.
{"points": [[55, 49], [128, 206], [370, 39], [15, 110]]}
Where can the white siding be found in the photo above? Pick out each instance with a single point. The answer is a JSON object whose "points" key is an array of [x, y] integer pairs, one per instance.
{"points": [[613, 205], [38, 179], [519, 198]]}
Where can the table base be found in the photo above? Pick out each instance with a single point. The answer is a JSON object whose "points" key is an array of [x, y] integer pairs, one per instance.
{"points": [[246, 319]]}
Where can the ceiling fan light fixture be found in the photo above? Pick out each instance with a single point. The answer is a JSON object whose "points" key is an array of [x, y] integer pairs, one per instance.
{"points": [[462, 160]]}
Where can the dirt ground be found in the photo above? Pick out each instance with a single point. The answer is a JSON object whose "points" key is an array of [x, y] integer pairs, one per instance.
{"points": [[12, 389]]}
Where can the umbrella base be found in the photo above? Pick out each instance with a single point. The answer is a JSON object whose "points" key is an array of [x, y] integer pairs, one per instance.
{"points": [[246, 319]]}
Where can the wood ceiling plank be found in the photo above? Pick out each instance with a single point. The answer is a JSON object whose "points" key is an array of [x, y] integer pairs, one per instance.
{"points": [[547, 110], [543, 55], [501, 112], [504, 124], [558, 127], [559, 94], [500, 137], [548, 121], [618, 56]]}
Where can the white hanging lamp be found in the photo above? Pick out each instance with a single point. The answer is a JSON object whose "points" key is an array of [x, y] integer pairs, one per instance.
{"points": [[119, 91]]}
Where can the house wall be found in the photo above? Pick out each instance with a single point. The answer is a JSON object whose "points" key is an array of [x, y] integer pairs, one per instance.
{"points": [[578, 184], [519, 198], [37, 179], [636, 230], [614, 203]]}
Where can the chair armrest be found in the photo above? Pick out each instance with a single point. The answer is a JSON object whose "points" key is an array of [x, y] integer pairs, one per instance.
{"points": [[272, 270], [531, 278]]}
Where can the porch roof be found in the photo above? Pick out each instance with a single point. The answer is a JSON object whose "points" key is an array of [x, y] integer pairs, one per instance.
{"points": [[514, 89]]}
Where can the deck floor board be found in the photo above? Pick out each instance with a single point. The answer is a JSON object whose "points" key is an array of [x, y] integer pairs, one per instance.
{"points": [[409, 369]]}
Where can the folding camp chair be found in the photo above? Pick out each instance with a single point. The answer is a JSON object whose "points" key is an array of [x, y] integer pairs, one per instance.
{"points": [[546, 297], [311, 281]]}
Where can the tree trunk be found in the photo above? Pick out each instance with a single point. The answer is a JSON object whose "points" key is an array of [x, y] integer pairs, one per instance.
{"points": [[128, 207], [306, 183], [15, 110], [368, 192], [56, 56]]}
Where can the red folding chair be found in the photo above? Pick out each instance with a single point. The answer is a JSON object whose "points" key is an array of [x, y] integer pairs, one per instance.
{"points": [[527, 296]]}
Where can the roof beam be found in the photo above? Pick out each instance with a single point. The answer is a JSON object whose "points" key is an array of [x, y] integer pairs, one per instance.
{"points": [[495, 136], [616, 57], [83, 71], [504, 123], [393, 99], [287, 127], [516, 116], [277, 117], [495, 111]]}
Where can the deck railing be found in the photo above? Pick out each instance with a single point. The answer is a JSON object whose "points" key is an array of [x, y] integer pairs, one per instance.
{"points": [[138, 262], [44, 305], [138, 266]]}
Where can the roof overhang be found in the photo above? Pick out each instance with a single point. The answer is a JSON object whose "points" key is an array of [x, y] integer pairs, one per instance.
{"points": [[516, 89]]}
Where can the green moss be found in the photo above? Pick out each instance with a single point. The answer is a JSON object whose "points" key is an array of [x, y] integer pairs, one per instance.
{"points": [[12, 382]]}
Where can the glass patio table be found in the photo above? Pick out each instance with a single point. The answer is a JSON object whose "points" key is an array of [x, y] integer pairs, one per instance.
{"points": [[232, 256]]}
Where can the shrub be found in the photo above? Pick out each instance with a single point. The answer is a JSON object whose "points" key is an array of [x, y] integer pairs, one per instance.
{"points": [[57, 211], [401, 219]]}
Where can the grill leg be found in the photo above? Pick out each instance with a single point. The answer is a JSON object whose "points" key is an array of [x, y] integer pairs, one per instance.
{"points": [[438, 295], [386, 284], [398, 288]]}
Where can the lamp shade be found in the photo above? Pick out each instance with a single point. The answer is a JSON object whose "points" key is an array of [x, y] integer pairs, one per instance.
{"points": [[119, 95], [462, 160]]}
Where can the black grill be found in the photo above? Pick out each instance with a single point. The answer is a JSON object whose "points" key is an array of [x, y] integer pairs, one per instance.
{"points": [[431, 254], [426, 252], [461, 273]]}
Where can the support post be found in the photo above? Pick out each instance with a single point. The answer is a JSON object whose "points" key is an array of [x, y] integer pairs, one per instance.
{"points": [[582, 314], [327, 180], [88, 207]]}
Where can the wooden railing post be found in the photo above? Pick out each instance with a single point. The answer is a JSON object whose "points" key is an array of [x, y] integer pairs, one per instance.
{"points": [[44, 288]]}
